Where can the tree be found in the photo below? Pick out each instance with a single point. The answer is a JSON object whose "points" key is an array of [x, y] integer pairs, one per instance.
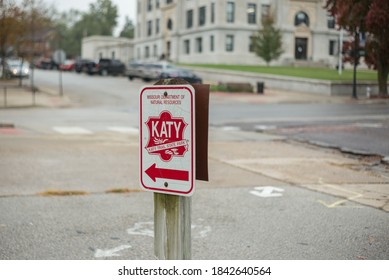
{"points": [[10, 28], [371, 17], [268, 41], [22, 25], [101, 19], [128, 29]]}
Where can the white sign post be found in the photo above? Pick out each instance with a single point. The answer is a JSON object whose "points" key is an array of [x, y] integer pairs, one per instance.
{"points": [[167, 139]]}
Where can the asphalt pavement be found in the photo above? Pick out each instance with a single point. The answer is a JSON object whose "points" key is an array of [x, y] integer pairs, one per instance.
{"points": [[269, 197]]}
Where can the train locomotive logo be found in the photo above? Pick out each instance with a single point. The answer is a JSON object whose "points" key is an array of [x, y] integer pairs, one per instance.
{"points": [[166, 136]]}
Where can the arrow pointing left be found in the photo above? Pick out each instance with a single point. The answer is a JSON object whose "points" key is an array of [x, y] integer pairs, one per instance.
{"points": [[154, 172]]}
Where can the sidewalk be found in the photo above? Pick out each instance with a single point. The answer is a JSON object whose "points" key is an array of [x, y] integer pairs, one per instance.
{"points": [[303, 165], [271, 96], [14, 96]]}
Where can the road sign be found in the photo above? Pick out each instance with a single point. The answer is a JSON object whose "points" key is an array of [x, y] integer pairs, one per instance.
{"points": [[59, 56], [167, 139]]}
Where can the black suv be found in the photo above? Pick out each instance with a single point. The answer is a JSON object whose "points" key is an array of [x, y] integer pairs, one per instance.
{"points": [[106, 67], [81, 64]]}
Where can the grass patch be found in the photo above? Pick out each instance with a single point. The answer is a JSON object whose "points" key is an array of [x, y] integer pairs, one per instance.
{"points": [[62, 193], [118, 190], [299, 72]]}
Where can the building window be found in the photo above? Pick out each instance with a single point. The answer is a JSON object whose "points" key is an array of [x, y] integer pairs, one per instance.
{"points": [[149, 5], [149, 28], [157, 26], [157, 4], [187, 47], [230, 43], [199, 45], [169, 1], [147, 52], [189, 19], [169, 24], [332, 47], [155, 50], [301, 18], [230, 11], [202, 16], [168, 48], [265, 10], [330, 22], [212, 43], [212, 12], [139, 30], [251, 13]]}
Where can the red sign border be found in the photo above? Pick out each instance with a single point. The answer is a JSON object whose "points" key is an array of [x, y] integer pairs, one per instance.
{"points": [[192, 145]]}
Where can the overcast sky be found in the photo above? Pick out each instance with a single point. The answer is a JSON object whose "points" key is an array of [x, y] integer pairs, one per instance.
{"points": [[125, 8]]}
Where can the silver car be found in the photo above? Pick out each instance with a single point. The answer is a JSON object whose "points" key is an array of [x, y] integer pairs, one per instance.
{"points": [[153, 71], [135, 70], [18, 69]]}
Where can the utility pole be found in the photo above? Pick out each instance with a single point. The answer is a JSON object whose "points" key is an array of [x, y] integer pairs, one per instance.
{"points": [[356, 61], [340, 62]]}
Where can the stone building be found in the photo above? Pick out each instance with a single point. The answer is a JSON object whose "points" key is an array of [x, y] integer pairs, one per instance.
{"points": [[96, 47], [220, 31]]}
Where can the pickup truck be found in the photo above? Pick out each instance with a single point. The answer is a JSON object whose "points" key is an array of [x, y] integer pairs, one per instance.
{"points": [[105, 67]]}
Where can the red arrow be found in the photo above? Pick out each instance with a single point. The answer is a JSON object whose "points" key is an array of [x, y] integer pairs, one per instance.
{"points": [[171, 174]]}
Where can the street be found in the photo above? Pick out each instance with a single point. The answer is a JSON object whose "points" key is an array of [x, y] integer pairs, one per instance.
{"points": [[288, 180]]}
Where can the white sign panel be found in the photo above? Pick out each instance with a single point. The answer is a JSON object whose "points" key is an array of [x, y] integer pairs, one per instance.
{"points": [[167, 139]]}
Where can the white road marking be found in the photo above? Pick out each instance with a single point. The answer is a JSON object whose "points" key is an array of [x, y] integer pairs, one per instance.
{"points": [[267, 191], [369, 125], [230, 128], [142, 228], [125, 130], [147, 229], [71, 130], [264, 127], [111, 252]]}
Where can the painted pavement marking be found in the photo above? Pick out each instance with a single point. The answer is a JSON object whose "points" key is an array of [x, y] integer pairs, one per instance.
{"points": [[125, 130], [267, 191], [111, 252], [339, 203], [71, 130]]}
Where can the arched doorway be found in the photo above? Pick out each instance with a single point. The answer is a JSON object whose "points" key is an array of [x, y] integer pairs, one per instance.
{"points": [[301, 22]]}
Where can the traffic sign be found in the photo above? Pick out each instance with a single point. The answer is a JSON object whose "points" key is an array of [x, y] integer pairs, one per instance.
{"points": [[59, 56], [167, 139]]}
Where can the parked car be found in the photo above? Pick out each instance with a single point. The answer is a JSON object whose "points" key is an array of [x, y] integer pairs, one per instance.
{"points": [[48, 64], [68, 65], [18, 69], [106, 67], [184, 74], [152, 71], [135, 70], [80, 65]]}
